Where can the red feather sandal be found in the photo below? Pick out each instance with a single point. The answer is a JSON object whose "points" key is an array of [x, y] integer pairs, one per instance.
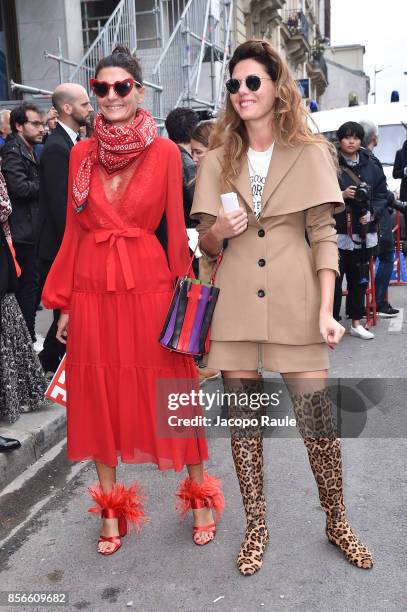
{"points": [[193, 496], [120, 503]]}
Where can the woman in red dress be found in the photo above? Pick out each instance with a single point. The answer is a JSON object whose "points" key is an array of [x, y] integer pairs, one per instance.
{"points": [[112, 282]]}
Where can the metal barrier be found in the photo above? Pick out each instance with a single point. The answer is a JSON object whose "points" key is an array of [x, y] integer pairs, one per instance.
{"points": [[398, 251], [371, 307], [370, 297], [297, 22]]}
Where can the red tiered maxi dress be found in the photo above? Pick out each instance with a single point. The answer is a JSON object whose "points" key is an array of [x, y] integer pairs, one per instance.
{"points": [[112, 276]]}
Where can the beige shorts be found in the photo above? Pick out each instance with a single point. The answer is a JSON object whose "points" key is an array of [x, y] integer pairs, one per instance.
{"points": [[282, 358]]}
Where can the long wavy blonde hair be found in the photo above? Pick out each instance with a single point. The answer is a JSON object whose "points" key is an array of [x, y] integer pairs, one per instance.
{"points": [[289, 118]]}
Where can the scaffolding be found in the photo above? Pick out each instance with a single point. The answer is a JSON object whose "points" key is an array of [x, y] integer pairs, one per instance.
{"points": [[193, 41], [197, 51]]}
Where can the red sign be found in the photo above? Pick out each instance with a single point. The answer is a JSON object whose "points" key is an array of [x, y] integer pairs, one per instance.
{"points": [[56, 391]]}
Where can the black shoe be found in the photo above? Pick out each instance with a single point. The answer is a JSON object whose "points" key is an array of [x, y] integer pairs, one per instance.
{"points": [[8, 444], [396, 310], [387, 311], [49, 368]]}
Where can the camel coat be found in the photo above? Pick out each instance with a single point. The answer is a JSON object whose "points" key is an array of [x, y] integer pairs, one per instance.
{"points": [[269, 289]]}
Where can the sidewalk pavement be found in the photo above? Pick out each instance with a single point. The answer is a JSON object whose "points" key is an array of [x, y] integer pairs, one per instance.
{"points": [[161, 570], [37, 431]]}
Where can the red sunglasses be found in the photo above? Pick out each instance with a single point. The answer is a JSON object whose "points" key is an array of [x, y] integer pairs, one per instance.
{"points": [[121, 88]]}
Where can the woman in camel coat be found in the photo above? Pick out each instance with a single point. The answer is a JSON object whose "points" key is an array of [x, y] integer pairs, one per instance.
{"points": [[269, 290], [274, 310]]}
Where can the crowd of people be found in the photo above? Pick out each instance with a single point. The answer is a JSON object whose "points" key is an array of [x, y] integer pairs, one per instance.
{"points": [[89, 226]]}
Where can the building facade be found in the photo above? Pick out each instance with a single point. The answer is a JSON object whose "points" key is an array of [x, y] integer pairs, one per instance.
{"points": [[28, 28], [300, 31], [183, 45], [348, 84], [184, 61]]}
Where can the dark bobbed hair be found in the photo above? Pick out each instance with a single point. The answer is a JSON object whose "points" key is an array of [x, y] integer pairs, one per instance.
{"points": [[121, 57], [19, 114], [180, 123], [350, 128]]}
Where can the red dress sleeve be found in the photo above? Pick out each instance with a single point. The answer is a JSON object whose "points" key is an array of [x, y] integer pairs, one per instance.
{"points": [[178, 251], [58, 286]]}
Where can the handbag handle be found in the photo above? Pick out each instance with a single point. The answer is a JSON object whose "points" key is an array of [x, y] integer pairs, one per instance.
{"points": [[215, 268]]}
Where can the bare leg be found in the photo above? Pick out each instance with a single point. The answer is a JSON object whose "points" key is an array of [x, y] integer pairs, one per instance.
{"points": [[107, 478], [203, 516]]}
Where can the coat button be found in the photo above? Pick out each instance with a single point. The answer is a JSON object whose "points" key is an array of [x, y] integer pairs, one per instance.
{"points": [[261, 293], [261, 233], [262, 263]]}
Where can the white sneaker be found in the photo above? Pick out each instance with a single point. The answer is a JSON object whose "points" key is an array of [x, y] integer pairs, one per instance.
{"points": [[39, 343], [361, 332]]}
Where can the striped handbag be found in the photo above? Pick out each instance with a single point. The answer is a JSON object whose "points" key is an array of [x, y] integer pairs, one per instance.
{"points": [[187, 325]]}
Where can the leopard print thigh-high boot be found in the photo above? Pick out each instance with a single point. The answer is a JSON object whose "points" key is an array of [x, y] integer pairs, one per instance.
{"points": [[315, 421], [247, 452]]}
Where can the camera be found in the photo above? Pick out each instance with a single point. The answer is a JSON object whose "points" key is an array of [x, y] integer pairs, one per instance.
{"points": [[400, 206], [394, 203], [363, 193]]}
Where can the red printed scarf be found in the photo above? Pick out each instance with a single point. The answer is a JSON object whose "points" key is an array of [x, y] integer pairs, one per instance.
{"points": [[114, 147]]}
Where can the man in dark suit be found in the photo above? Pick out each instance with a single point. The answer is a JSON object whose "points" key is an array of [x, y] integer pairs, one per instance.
{"points": [[72, 104]]}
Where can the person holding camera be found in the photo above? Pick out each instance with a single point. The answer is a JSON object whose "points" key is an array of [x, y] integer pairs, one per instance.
{"points": [[364, 191]]}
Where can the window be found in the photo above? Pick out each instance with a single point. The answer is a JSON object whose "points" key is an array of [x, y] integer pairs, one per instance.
{"points": [[95, 13]]}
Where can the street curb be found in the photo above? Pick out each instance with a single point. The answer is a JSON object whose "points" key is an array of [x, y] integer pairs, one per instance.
{"points": [[38, 432]]}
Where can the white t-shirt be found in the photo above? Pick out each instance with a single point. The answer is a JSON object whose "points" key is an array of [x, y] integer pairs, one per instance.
{"points": [[259, 162]]}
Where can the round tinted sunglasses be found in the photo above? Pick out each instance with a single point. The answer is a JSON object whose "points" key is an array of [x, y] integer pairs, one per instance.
{"points": [[121, 88], [252, 81]]}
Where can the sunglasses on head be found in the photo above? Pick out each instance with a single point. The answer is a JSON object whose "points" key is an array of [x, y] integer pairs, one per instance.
{"points": [[121, 88], [252, 81]]}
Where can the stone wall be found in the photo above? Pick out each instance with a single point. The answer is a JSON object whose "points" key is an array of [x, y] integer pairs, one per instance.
{"points": [[39, 26]]}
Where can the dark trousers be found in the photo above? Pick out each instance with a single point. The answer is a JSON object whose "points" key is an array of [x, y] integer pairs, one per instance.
{"points": [[28, 283], [355, 301], [53, 349], [383, 276]]}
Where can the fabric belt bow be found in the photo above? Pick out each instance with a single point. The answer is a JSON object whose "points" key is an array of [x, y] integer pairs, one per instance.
{"points": [[117, 237]]}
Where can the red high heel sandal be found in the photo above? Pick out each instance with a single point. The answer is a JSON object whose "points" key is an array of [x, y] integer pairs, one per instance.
{"points": [[193, 496], [120, 503]]}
